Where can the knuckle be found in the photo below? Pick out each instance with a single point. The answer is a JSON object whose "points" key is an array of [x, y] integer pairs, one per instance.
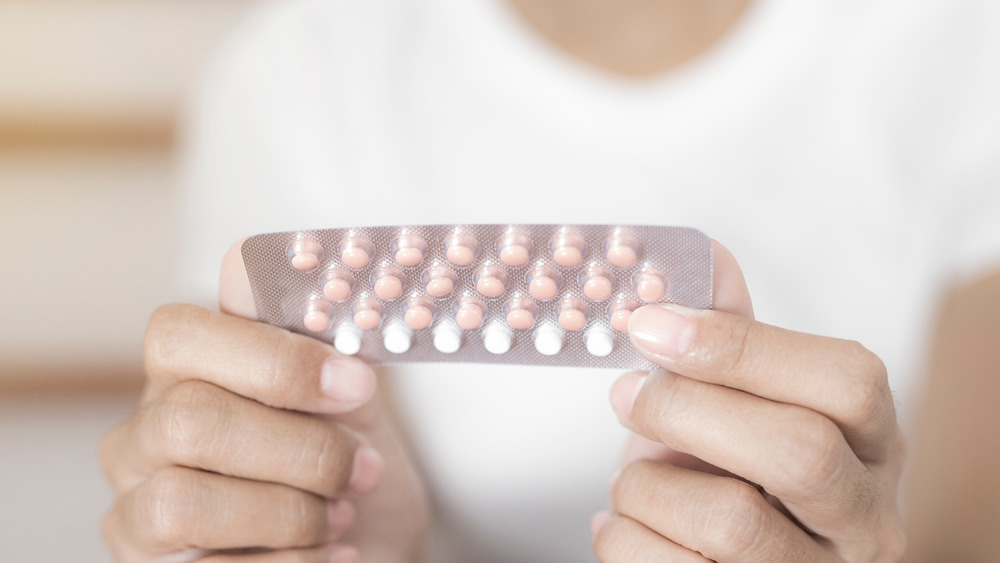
{"points": [[812, 457], [735, 518], [609, 540], [107, 452], [632, 478], [164, 335], [330, 459], [894, 543], [868, 394], [304, 516], [163, 509], [188, 420], [663, 408], [291, 355]]}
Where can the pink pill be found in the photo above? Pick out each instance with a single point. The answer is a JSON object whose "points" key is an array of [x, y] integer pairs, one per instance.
{"points": [[316, 321], [567, 256], [543, 288], [337, 289], [514, 255], [418, 317], [440, 287], [388, 287], [490, 286], [355, 257], [520, 319], [469, 317], [409, 256], [619, 320], [460, 255], [572, 319], [597, 288], [622, 255], [367, 319], [305, 261], [650, 287]]}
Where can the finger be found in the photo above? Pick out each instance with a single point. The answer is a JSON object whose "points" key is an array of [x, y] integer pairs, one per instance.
{"points": [[722, 518], [180, 508], [620, 539], [198, 425], [235, 293], [323, 554], [729, 287], [254, 360], [837, 378], [796, 454]]}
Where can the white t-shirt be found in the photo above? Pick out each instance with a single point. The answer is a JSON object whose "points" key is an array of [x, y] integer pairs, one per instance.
{"points": [[846, 151]]}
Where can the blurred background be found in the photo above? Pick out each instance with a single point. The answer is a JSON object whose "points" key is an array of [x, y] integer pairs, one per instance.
{"points": [[90, 96]]}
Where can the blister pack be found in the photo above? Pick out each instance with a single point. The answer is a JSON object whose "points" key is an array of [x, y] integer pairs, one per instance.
{"points": [[557, 295]]}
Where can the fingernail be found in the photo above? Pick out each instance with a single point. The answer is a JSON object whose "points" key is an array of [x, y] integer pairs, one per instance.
{"points": [[367, 470], [344, 554], [339, 515], [661, 330], [625, 391], [347, 381], [597, 521]]}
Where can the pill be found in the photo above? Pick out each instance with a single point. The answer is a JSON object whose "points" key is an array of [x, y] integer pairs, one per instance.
{"points": [[600, 341], [520, 319], [597, 287], [461, 249], [447, 338], [497, 339], [347, 339], [337, 289], [316, 321], [572, 319], [469, 316], [548, 340], [622, 251], [440, 287], [567, 249], [355, 257], [388, 286], [409, 256], [305, 261], [367, 319], [418, 317], [619, 320], [514, 255], [649, 287], [543, 283], [305, 254], [397, 338], [490, 286]]}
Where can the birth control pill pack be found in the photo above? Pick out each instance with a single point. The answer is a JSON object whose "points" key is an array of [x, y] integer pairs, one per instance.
{"points": [[557, 295]]}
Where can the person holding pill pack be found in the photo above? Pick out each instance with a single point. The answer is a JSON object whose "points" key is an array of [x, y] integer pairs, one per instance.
{"points": [[844, 157]]}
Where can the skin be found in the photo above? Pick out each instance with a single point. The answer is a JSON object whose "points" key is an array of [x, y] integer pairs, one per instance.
{"points": [[754, 443]]}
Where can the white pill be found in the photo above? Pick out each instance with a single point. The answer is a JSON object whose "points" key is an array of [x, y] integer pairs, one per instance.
{"points": [[600, 341], [548, 340], [397, 338], [347, 339], [498, 338], [447, 338]]}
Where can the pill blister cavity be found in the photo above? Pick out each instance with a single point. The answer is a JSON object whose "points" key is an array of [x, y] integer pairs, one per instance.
{"points": [[520, 313], [461, 249], [548, 340], [597, 284], [387, 283], [317, 316], [419, 313], [491, 281], [304, 254], [622, 250], [337, 285], [497, 338], [367, 314], [543, 283], [397, 338], [619, 313], [469, 313], [567, 249], [514, 248], [356, 252], [650, 285], [439, 281], [447, 338], [409, 250], [599, 341], [347, 339], [572, 314]]}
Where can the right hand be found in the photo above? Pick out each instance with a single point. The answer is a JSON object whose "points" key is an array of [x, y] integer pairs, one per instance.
{"points": [[254, 444]]}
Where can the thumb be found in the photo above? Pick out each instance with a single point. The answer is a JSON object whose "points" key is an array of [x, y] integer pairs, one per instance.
{"points": [[729, 287]]}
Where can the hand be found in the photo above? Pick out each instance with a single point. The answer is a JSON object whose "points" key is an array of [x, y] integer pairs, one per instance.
{"points": [[755, 443], [253, 444]]}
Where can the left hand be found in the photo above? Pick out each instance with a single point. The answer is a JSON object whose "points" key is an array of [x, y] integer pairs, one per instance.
{"points": [[754, 443]]}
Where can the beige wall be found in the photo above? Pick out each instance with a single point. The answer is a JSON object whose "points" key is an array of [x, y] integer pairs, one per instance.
{"points": [[89, 93]]}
